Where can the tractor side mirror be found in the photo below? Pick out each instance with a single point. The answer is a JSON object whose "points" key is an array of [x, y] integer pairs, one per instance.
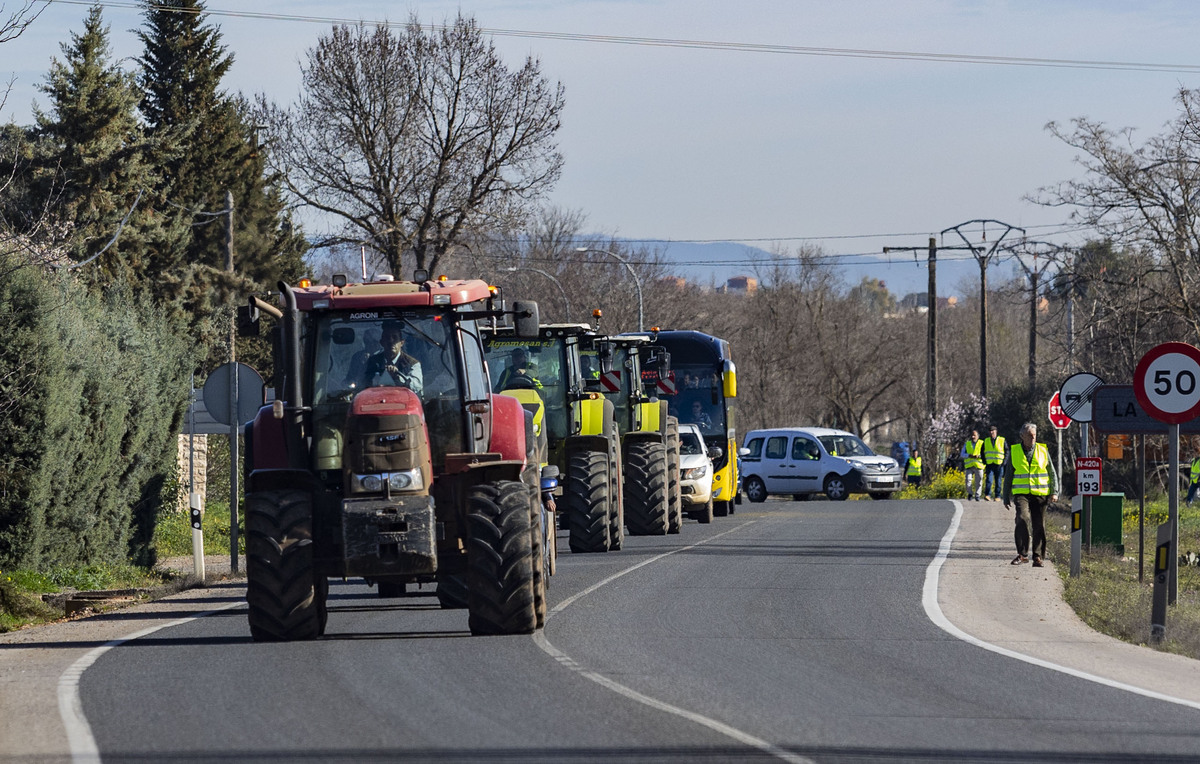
{"points": [[525, 319], [248, 324]]}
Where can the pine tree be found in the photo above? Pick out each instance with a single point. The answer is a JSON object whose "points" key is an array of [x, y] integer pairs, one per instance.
{"points": [[90, 173], [208, 146]]}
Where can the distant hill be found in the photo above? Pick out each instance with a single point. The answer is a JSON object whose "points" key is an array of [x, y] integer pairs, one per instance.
{"points": [[714, 263]]}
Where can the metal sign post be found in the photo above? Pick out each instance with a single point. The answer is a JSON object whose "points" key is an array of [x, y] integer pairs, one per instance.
{"points": [[232, 398], [1076, 395], [1167, 384]]}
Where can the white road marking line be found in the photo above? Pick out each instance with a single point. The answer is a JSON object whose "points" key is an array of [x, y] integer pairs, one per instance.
{"points": [[744, 738], [70, 707], [934, 612]]}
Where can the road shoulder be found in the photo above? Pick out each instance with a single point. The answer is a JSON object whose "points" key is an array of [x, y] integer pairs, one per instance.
{"points": [[33, 660], [1021, 608]]}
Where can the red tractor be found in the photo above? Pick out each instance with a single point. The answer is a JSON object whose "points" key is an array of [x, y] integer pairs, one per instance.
{"points": [[386, 456]]}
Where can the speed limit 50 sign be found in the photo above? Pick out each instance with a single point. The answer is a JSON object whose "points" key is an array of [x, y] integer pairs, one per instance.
{"points": [[1167, 382]]}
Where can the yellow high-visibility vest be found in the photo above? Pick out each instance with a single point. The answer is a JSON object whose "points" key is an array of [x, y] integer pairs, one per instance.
{"points": [[974, 460], [1195, 470], [993, 450], [1032, 478], [914, 466]]}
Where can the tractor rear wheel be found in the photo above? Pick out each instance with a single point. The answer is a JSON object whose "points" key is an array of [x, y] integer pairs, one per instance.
{"points": [[646, 504], [674, 491], [586, 500], [500, 564], [285, 600], [540, 560], [616, 494]]}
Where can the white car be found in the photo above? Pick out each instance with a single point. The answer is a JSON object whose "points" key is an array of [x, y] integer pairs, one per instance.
{"points": [[802, 461], [695, 474]]}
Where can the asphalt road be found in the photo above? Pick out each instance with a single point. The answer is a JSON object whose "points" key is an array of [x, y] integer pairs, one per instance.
{"points": [[791, 631]]}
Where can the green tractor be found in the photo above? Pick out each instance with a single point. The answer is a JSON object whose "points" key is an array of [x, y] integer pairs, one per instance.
{"points": [[581, 435], [649, 436]]}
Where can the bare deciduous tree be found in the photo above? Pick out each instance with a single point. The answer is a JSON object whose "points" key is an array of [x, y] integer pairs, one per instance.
{"points": [[1145, 198], [412, 138]]}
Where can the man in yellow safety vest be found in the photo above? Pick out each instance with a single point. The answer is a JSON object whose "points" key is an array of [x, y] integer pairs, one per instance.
{"points": [[993, 464], [913, 472], [973, 465], [1031, 483]]}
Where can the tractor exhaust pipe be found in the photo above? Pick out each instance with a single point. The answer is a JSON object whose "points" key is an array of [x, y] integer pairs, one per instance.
{"points": [[297, 459]]}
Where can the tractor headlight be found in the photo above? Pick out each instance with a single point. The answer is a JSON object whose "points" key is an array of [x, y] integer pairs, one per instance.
{"points": [[695, 473], [405, 480]]}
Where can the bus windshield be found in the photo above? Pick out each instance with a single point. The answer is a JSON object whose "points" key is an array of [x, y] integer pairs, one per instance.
{"points": [[699, 398]]}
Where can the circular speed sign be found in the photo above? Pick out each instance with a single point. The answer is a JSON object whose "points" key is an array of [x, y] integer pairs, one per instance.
{"points": [[1167, 382]]}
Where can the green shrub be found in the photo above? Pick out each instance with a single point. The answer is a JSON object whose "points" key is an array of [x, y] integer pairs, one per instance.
{"points": [[92, 392], [947, 484]]}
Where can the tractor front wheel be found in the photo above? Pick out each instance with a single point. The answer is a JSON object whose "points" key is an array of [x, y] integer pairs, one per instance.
{"points": [[646, 501], [286, 602], [586, 501], [500, 563]]}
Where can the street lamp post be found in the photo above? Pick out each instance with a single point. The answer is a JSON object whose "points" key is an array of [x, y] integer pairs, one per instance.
{"points": [[637, 282], [557, 283]]}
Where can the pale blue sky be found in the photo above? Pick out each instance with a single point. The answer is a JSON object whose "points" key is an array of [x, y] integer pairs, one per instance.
{"points": [[686, 144]]}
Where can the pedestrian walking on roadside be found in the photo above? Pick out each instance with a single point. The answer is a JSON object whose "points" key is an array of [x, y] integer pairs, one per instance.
{"points": [[1030, 483], [913, 469], [973, 465], [993, 465]]}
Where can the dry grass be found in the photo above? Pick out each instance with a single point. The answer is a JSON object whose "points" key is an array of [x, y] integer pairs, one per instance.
{"points": [[1107, 594]]}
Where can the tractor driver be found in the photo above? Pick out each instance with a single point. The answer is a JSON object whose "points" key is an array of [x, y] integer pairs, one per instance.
{"points": [[519, 373], [391, 365]]}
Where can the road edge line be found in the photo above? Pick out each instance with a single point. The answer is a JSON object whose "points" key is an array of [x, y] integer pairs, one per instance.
{"points": [[80, 741], [929, 599]]}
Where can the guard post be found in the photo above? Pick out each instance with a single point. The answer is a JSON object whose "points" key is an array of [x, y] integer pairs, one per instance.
{"points": [[1163, 554], [1076, 534]]}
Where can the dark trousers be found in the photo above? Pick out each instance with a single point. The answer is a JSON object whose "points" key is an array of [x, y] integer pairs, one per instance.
{"points": [[993, 480], [1031, 518]]}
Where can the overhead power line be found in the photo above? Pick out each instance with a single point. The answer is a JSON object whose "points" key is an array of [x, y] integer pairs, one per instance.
{"points": [[716, 45]]}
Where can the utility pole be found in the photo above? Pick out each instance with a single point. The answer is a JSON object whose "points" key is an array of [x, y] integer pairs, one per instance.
{"points": [[233, 398], [1034, 274], [983, 255], [931, 381], [931, 335]]}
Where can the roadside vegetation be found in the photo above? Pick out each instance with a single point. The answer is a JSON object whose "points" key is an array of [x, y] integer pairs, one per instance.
{"points": [[24, 591], [1108, 596]]}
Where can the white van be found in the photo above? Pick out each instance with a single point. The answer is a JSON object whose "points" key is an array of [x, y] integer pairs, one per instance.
{"points": [[807, 460]]}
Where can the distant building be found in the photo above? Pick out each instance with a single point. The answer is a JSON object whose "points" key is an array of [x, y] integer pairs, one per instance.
{"points": [[740, 285], [920, 301]]}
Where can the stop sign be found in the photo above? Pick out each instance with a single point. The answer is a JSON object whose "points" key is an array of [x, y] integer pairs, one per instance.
{"points": [[1057, 417]]}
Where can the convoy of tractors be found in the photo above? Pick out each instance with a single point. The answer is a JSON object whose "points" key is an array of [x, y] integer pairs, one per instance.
{"points": [[425, 433]]}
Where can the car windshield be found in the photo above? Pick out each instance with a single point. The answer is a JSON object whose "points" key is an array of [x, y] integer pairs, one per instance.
{"points": [[689, 444], [845, 445]]}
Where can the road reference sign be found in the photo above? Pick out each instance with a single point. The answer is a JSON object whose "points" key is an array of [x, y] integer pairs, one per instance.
{"points": [[1167, 382], [1115, 409], [1076, 393], [610, 381], [1057, 417], [1087, 475]]}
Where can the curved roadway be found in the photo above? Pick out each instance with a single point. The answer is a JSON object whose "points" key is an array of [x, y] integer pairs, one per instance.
{"points": [[790, 631]]}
